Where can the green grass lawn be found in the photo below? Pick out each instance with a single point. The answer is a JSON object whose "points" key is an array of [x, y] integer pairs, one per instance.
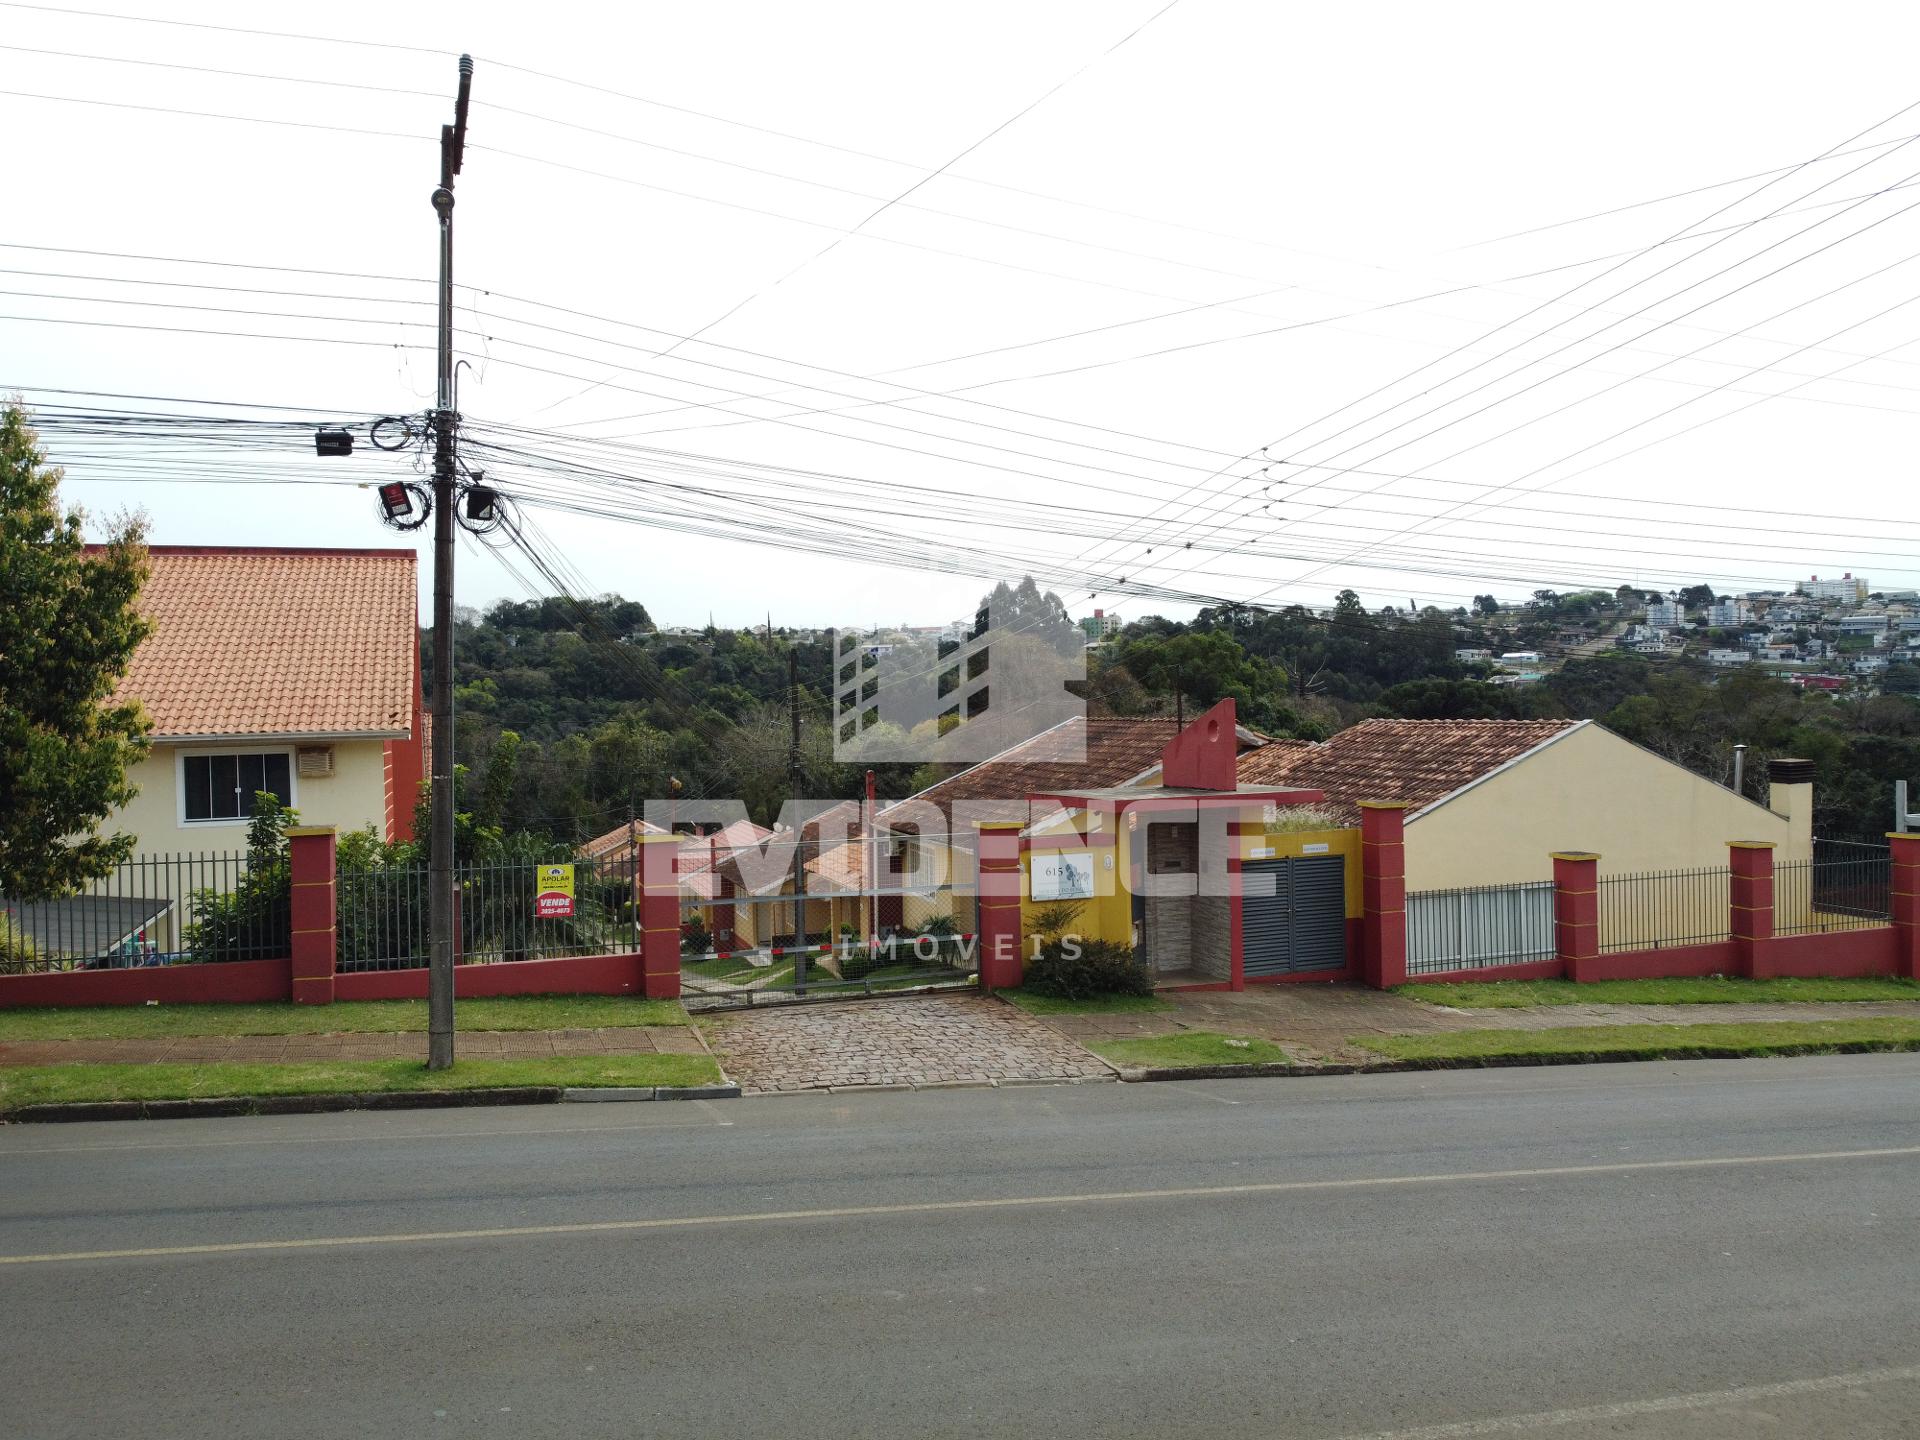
{"points": [[530, 1012], [1655, 1042], [1707, 990], [1098, 1005], [1189, 1047], [55, 1084]]}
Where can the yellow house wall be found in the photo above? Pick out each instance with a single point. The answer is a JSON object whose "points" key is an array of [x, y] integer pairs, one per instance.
{"points": [[354, 796], [1591, 791], [1109, 915]]}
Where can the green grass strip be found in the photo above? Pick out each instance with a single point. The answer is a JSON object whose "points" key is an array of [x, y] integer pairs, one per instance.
{"points": [[380, 1017], [59, 1084], [1705, 990], [1098, 1005], [1189, 1047], [1654, 1042]]}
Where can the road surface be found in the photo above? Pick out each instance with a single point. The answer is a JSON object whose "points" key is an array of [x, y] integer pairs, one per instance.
{"points": [[1625, 1250]]}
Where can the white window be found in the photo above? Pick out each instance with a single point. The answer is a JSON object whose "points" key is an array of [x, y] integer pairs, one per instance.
{"points": [[218, 786]]}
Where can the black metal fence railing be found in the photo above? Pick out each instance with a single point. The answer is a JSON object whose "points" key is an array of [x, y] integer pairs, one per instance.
{"points": [[1479, 927], [1665, 907], [748, 949], [1846, 886], [154, 910], [383, 914]]}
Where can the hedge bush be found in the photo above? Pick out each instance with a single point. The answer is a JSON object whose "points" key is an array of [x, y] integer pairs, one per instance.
{"points": [[1072, 968]]}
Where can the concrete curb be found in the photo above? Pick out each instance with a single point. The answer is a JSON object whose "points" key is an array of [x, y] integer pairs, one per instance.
{"points": [[231, 1105], [1279, 1070], [613, 1094], [226, 1107]]}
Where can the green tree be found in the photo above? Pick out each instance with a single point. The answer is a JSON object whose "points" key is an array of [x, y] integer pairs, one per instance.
{"points": [[254, 920], [70, 629], [1485, 605]]}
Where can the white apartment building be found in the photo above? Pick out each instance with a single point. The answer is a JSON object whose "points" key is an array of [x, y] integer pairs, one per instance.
{"points": [[1847, 589]]}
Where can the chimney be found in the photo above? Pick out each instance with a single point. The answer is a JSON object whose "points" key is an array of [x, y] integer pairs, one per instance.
{"points": [[1790, 796]]}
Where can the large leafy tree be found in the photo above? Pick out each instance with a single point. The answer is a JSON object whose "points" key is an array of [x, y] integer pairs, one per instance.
{"points": [[70, 630]]}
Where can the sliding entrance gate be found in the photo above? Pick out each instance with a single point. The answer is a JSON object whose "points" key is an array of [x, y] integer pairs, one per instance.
{"points": [[1299, 925], [740, 951]]}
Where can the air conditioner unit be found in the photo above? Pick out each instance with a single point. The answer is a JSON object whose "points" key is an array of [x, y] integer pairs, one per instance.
{"points": [[315, 761]]}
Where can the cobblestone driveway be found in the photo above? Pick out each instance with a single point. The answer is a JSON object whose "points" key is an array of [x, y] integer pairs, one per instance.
{"points": [[938, 1040]]}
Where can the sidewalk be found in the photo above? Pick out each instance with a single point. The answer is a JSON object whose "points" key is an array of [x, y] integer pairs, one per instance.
{"points": [[274, 1049], [1317, 1022]]}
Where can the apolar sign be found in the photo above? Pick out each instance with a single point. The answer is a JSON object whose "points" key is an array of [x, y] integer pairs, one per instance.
{"points": [[553, 892], [1062, 876]]}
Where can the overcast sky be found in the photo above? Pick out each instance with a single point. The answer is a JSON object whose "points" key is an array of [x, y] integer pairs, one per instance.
{"points": [[1273, 171]]}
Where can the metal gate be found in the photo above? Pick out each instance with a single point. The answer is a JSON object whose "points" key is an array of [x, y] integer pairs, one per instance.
{"points": [[1301, 926]]}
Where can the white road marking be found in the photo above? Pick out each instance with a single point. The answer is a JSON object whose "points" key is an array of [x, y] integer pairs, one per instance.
{"points": [[1660, 1405], [935, 1207]]}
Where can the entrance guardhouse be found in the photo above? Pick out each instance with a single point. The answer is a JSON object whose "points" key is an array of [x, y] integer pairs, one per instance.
{"points": [[1213, 884]]}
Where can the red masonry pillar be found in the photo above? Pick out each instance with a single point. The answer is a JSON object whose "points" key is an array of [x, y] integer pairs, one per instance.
{"points": [[659, 907], [1237, 830], [314, 907], [999, 936], [1750, 904], [1576, 912], [1906, 902], [1383, 884]]}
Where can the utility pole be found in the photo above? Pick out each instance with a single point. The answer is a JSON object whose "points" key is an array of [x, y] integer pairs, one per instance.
{"points": [[799, 827], [441, 898]]}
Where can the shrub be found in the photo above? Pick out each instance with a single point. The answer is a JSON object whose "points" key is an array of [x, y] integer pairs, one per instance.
{"points": [[254, 921], [695, 939], [16, 949], [1050, 923], [1074, 968]]}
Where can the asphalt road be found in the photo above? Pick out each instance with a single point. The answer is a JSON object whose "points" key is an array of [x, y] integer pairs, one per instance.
{"points": [[1631, 1251]]}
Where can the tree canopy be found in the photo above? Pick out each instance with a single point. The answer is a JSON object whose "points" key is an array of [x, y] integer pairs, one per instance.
{"points": [[71, 627]]}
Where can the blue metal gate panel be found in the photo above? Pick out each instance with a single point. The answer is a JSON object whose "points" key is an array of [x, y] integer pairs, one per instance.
{"points": [[1301, 927]]}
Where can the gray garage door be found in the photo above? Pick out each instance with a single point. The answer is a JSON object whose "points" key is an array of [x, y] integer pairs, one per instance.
{"points": [[1302, 926]]}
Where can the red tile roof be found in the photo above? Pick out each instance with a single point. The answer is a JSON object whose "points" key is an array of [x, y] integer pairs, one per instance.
{"points": [[1413, 761], [615, 841], [261, 642], [1115, 749]]}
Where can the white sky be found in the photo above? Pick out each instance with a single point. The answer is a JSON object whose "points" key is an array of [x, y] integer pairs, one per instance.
{"points": [[1353, 149]]}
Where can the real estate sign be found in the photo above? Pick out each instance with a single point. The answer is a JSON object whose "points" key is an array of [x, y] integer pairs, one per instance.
{"points": [[1063, 876], [553, 892]]}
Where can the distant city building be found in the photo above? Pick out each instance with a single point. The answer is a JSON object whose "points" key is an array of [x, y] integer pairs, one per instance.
{"points": [[1666, 613], [1846, 589], [1863, 624], [1729, 657], [1472, 657], [1099, 625], [1820, 682], [1726, 613], [1521, 657]]}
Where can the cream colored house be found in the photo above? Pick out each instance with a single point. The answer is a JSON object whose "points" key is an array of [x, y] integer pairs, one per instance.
{"points": [[1490, 801], [285, 670]]}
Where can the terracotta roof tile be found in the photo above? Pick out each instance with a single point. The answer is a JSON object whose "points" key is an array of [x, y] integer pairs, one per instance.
{"points": [[614, 842], [276, 642], [1116, 750], [1415, 761]]}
